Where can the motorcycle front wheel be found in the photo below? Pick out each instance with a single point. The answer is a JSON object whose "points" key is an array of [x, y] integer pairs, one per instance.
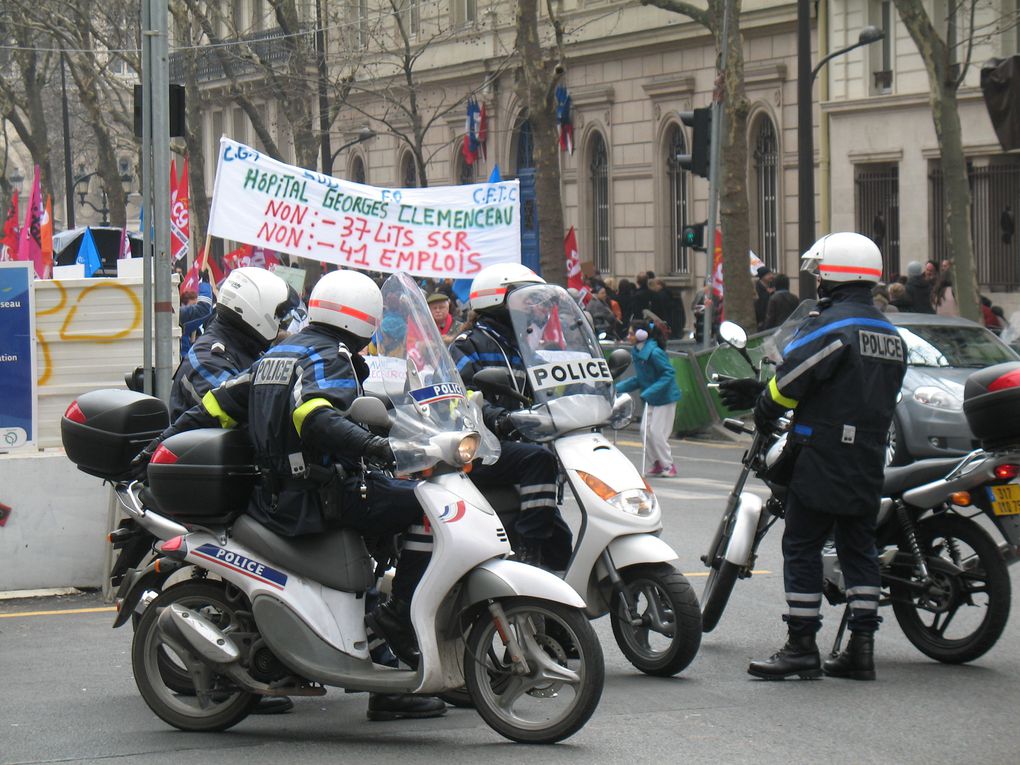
{"points": [[223, 705], [669, 635], [722, 574], [964, 611], [561, 687]]}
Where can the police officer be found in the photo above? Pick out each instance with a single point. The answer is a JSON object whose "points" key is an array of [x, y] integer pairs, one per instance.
{"points": [[247, 319], [311, 456], [840, 375], [545, 538]]}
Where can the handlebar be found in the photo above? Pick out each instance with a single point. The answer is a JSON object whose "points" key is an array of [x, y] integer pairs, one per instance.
{"points": [[737, 426]]}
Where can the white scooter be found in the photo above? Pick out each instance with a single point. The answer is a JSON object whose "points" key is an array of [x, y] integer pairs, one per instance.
{"points": [[286, 616], [619, 564]]}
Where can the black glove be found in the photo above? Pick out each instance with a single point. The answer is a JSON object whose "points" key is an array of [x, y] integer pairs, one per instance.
{"points": [[740, 394], [140, 464], [378, 450], [504, 427], [766, 412]]}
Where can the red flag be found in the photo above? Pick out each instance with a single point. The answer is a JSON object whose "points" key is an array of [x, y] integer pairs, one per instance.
{"points": [[30, 241], [216, 273], [239, 258], [717, 274], [180, 217], [46, 237], [9, 249], [266, 259], [552, 333], [191, 279]]}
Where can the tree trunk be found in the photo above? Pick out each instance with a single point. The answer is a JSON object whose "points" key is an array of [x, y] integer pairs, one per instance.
{"points": [[198, 200], [942, 95], [538, 76]]}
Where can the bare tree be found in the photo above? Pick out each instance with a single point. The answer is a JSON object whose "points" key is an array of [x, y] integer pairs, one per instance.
{"points": [[733, 204], [540, 68], [946, 71]]}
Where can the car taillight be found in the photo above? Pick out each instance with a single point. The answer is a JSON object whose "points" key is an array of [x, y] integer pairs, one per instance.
{"points": [[74, 413], [1007, 472], [163, 456]]}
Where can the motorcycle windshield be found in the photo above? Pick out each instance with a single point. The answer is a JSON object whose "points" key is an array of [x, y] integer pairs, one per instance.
{"points": [[570, 380], [411, 368], [776, 343]]}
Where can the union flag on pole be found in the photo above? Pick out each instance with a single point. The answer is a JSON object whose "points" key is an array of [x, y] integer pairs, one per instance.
{"points": [[575, 278], [9, 245], [30, 241], [46, 237], [180, 218]]}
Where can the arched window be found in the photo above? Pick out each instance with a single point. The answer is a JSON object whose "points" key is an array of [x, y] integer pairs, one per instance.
{"points": [[465, 172], [598, 176], [525, 147], [408, 172], [358, 169], [677, 182], [766, 179]]}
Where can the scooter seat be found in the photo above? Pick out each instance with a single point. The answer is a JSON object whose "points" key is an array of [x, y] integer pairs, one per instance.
{"points": [[336, 558], [899, 479]]}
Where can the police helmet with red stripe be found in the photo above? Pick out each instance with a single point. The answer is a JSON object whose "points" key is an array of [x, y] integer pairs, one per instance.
{"points": [[347, 300], [844, 257], [490, 287]]}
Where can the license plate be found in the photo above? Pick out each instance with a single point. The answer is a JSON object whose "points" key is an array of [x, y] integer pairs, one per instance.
{"points": [[1005, 499]]}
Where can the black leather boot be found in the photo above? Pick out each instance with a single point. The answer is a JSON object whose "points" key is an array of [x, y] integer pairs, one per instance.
{"points": [[856, 661], [392, 622], [529, 552], [273, 705], [798, 657], [395, 706]]}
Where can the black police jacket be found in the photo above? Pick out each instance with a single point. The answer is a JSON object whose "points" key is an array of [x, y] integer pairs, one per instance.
{"points": [[222, 352], [292, 401], [840, 374], [487, 344]]}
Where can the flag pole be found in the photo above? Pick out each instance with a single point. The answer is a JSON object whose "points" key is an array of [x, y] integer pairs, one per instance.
{"points": [[205, 264]]}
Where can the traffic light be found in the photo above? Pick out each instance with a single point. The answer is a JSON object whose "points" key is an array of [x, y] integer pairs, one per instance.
{"points": [[700, 122], [693, 236]]}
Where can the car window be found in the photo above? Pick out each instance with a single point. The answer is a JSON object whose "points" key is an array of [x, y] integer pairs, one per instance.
{"points": [[931, 345]]}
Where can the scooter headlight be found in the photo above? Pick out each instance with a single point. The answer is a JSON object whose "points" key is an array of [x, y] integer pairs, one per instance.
{"points": [[639, 502], [467, 447]]}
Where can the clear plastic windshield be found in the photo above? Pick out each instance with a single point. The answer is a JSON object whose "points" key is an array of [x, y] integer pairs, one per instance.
{"points": [[569, 378], [727, 362], [411, 368], [776, 343]]}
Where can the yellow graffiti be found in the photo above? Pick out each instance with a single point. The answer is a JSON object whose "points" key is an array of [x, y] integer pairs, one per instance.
{"points": [[43, 344], [135, 321]]}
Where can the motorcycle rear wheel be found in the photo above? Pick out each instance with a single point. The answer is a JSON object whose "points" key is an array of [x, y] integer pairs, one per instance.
{"points": [[983, 588], [228, 705], [564, 682], [668, 608]]}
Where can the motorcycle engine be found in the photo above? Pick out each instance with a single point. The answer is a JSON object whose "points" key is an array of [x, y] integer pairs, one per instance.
{"points": [[263, 664]]}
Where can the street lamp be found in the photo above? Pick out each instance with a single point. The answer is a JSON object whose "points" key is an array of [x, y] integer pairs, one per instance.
{"points": [[365, 134], [805, 137], [104, 210]]}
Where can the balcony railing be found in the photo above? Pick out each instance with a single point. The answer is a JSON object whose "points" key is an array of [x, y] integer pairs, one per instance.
{"points": [[267, 45]]}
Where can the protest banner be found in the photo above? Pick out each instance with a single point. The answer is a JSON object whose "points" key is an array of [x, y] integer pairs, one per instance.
{"points": [[443, 231], [17, 356]]}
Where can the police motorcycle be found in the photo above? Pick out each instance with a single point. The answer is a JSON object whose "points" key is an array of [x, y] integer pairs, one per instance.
{"points": [[619, 564], [269, 615], [942, 572]]}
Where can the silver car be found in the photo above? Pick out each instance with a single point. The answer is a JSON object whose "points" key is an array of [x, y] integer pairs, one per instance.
{"points": [[942, 352]]}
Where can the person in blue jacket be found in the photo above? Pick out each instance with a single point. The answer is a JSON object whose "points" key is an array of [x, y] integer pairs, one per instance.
{"points": [[656, 379]]}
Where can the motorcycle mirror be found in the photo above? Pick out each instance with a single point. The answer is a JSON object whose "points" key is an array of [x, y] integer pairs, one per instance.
{"points": [[370, 412], [619, 362], [733, 334]]}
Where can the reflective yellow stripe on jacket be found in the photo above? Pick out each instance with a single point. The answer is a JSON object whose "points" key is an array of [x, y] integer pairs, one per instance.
{"points": [[778, 397], [305, 409], [212, 406]]}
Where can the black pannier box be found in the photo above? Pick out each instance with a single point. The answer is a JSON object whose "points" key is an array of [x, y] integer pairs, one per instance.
{"points": [[202, 476], [103, 430], [991, 402]]}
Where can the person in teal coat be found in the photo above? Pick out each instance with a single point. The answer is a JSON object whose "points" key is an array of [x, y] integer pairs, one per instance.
{"points": [[655, 378]]}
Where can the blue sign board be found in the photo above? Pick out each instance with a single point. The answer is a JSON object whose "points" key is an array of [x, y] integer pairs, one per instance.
{"points": [[17, 356]]}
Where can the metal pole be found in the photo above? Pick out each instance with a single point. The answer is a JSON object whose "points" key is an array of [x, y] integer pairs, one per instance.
{"points": [[718, 118], [320, 55], [68, 183], [146, 191], [805, 147], [162, 307]]}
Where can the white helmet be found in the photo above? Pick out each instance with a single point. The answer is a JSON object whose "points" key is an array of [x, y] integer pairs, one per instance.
{"points": [[489, 288], [258, 298], [844, 257], [348, 300]]}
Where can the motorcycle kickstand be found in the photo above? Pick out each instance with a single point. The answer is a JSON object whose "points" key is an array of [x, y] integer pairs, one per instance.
{"points": [[620, 589], [838, 643]]}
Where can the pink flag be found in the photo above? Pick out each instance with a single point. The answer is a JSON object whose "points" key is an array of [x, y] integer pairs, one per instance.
{"points": [[9, 246], [30, 243]]}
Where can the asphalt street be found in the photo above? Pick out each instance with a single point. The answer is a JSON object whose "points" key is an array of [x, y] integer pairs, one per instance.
{"points": [[68, 693]]}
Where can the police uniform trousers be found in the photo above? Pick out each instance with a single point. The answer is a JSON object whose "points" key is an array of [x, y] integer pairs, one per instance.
{"points": [[534, 470], [390, 508], [807, 531]]}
